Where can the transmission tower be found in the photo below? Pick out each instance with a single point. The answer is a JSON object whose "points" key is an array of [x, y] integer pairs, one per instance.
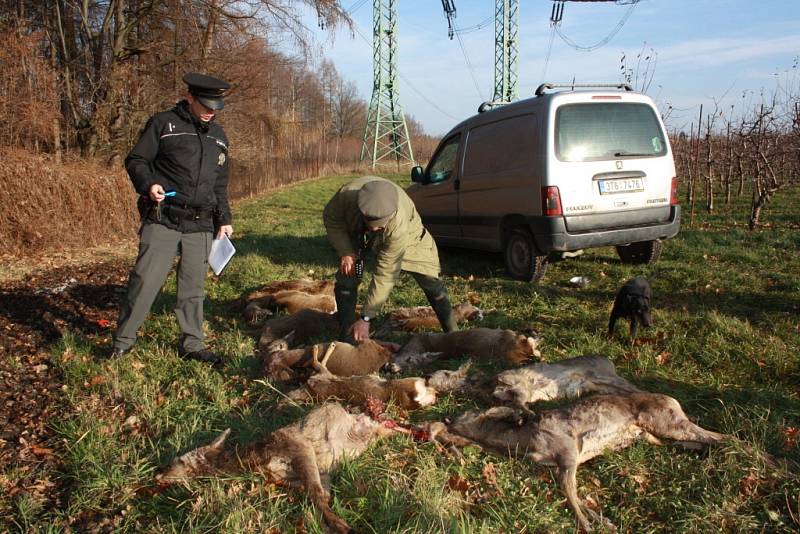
{"points": [[386, 135], [506, 66]]}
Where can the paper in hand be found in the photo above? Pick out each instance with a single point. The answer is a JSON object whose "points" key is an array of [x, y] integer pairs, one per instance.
{"points": [[221, 253]]}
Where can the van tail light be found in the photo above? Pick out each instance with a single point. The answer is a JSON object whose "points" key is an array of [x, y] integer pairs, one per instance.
{"points": [[551, 201], [673, 193]]}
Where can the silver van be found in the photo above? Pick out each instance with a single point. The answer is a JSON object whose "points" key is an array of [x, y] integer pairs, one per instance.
{"points": [[560, 172]]}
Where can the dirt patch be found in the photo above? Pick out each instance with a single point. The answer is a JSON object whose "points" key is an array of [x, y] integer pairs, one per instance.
{"points": [[34, 313]]}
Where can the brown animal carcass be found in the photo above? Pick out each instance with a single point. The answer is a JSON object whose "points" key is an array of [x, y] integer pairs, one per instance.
{"points": [[300, 455], [477, 343], [281, 362], [423, 317], [292, 295], [569, 436], [306, 324], [408, 393]]}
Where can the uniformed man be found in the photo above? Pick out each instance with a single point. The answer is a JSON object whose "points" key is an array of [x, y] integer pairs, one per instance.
{"points": [[179, 168], [371, 213]]}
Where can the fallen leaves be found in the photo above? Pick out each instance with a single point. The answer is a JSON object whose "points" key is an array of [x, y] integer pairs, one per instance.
{"points": [[790, 436]]}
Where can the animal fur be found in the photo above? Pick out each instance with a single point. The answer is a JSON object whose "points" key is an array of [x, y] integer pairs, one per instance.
{"points": [[306, 324], [312, 287], [445, 381], [478, 343], [423, 317], [569, 436], [574, 377], [368, 357], [408, 393], [292, 295], [300, 455], [294, 301], [632, 302]]}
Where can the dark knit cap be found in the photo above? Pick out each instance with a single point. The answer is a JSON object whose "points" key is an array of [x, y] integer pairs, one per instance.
{"points": [[377, 202]]}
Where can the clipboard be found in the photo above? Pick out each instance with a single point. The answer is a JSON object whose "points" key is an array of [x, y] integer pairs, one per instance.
{"points": [[222, 250]]}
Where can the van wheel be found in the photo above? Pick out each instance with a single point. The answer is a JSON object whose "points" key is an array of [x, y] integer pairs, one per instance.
{"points": [[522, 263], [642, 252]]}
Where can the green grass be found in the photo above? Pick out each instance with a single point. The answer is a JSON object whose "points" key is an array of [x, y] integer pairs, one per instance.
{"points": [[725, 344]]}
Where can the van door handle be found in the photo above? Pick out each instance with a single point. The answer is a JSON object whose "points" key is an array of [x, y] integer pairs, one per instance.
{"points": [[456, 184]]}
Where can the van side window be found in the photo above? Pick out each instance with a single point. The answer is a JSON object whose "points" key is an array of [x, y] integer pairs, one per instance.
{"points": [[445, 161], [501, 146]]}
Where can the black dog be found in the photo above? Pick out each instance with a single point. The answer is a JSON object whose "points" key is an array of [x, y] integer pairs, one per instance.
{"points": [[633, 302]]}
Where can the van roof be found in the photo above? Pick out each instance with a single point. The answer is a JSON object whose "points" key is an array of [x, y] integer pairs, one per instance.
{"points": [[546, 100]]}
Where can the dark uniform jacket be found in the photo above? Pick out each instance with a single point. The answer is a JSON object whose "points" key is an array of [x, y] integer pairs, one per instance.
{"points": [[403, 245], [181, 153]]}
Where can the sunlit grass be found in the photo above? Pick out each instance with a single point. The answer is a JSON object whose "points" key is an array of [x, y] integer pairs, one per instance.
{"points": [[725, 344]]}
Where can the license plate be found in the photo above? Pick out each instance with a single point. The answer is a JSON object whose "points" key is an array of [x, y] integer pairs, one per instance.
{"points": [[622, 185]]}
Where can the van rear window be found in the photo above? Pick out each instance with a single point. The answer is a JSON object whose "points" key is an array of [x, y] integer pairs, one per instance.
{"points": [[600, 131]]}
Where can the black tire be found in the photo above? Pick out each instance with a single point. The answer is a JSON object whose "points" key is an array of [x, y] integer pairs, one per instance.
{"points": [[522, 261], [641, 253]]}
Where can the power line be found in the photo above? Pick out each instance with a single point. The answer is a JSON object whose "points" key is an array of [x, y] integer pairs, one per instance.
{"points": [[603, 41], [355, 7], [469, 64], [407, 81], [549, 49], [476, 27]]}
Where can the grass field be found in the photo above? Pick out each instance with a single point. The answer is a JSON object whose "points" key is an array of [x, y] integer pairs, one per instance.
{"points": [[725, 344]]}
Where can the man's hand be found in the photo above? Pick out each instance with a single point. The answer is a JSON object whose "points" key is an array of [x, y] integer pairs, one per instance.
{"points": [[156, 193], [347, 265], [360, 330], [226, 229]]}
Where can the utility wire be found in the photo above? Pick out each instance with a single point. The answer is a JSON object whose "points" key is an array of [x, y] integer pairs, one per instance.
{"points": [[469, 64], [411, 85], [475, 27], [547, 57], [603, 41], [355, 7]]}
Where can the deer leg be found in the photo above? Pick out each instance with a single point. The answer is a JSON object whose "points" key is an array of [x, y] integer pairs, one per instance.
{"points": [[331, 349], [304, 462], [567, 467]]}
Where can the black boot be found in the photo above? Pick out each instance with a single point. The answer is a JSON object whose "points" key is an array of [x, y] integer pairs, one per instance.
{"points": [[346, 293], [436, 292]]}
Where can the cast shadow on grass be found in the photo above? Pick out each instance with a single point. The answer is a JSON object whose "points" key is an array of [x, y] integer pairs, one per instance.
{"points": [[78, 307], [756, 307], [287, 249], [751, 408]]}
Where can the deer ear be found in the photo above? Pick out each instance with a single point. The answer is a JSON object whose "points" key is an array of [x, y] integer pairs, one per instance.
{"points": [[216, 445], [289, 338]]}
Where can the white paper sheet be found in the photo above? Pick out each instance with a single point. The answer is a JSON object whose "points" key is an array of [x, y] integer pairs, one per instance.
{"points": [[222, 251]]}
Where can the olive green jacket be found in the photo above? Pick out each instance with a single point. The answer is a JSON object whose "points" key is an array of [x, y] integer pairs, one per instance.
{"points": [[403, 245]]}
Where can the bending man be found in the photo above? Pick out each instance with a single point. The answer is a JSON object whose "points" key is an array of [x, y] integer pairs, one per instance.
{"points": [[371, 213]]}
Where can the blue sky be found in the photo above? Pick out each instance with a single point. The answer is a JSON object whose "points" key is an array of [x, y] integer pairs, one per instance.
{"points": [[706, 51]]}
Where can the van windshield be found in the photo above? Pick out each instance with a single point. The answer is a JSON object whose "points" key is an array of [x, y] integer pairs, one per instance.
{"points": [[600, 131]]}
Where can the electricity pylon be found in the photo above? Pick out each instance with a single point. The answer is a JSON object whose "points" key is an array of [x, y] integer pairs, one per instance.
{"points": [[386, 135], [506, 53]]}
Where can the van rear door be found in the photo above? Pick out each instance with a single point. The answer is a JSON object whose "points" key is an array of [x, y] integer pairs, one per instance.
{"points": [[612, 165]]}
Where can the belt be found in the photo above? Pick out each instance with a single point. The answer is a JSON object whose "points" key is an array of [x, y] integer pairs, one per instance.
{"points": [[190, 213]]}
